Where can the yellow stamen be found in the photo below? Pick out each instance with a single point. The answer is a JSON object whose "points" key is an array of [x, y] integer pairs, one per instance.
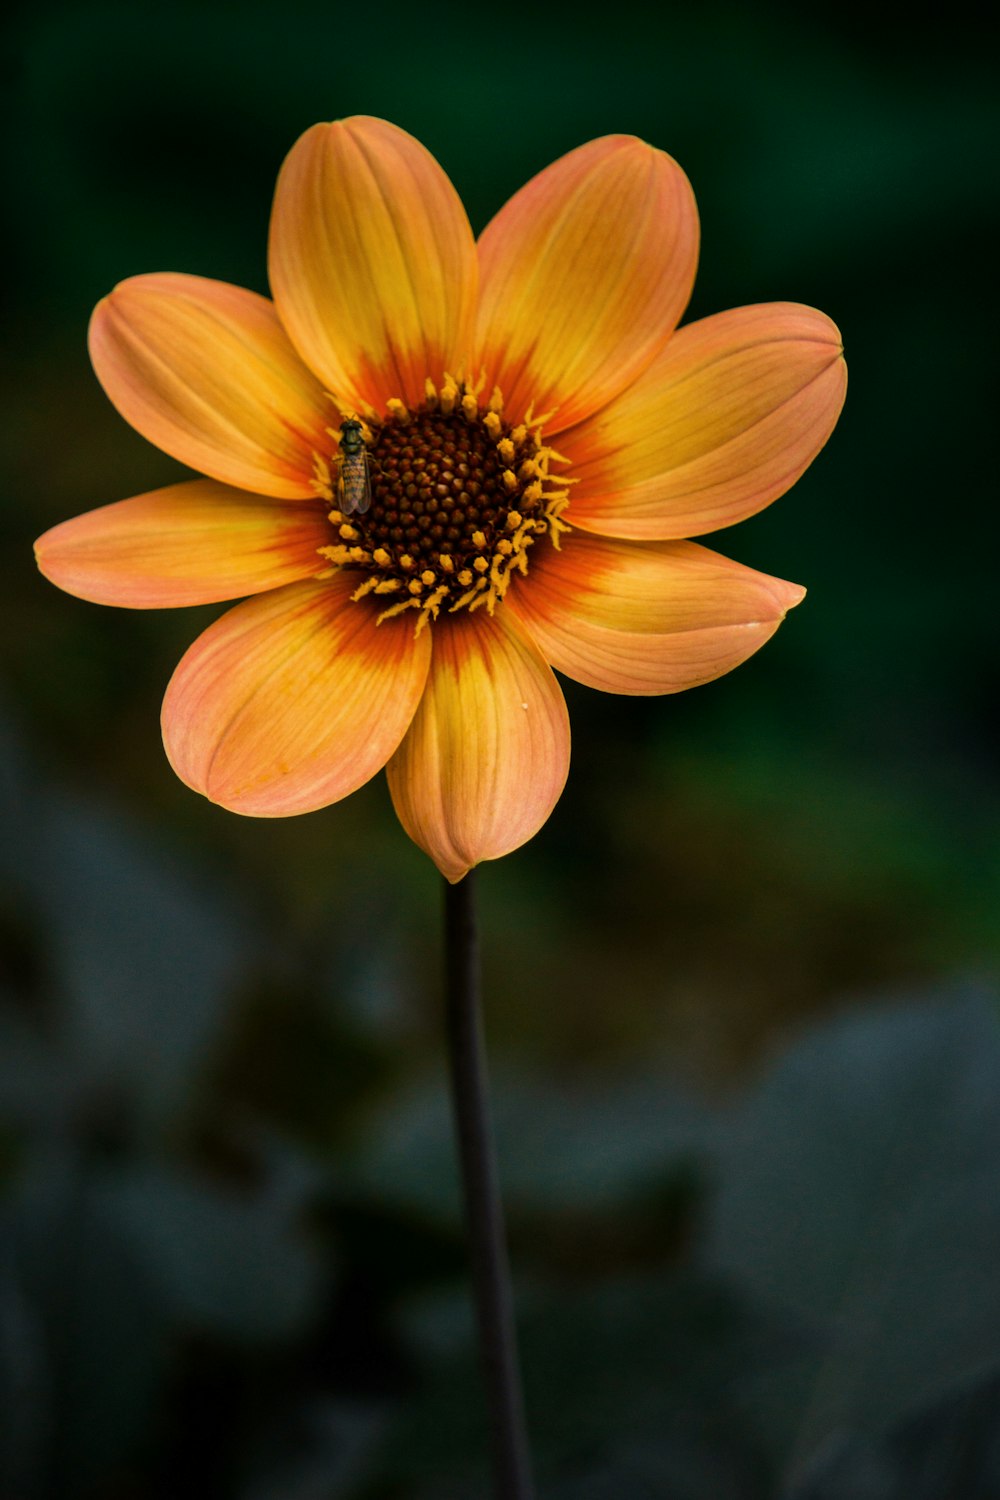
{"points": [[449, 395], [530, 420], [431, 606], [465, 600], [339, 555], [397, 609]]}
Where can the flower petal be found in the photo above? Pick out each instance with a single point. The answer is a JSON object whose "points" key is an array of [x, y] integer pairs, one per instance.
{"points": [[644, 618], [292, 700], [723, 422], [205, 371], [192, 543], [488, 751], [372, 261], [585, 274]]}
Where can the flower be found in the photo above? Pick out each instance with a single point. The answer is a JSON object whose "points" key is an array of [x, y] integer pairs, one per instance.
{"points": [[538, 442]]}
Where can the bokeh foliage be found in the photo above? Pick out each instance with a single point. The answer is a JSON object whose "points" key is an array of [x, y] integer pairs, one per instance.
{"points": [[750, 1265]]}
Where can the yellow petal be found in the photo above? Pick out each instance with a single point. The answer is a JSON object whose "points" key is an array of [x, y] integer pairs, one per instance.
{"points": [[585, 274], [372, 261], [193, 543], [292, 700], [723, 422], [645, 618], [488, 751], [205, 371]]}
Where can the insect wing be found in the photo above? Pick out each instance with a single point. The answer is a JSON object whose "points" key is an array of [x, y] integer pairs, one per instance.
{"points": [[364, 497], [355, 483]]}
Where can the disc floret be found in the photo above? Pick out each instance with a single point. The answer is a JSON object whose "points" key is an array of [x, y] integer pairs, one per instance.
{"points": [[459, 496]]}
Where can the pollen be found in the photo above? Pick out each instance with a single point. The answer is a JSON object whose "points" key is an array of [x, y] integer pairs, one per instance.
{"points": [[459, 496]]}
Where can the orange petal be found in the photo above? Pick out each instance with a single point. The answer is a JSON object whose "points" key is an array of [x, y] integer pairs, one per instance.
{"points": [[585, 274], [292, 700], [726, 419], [372, 261], [205, 371], [487, 754], [645, 618], [192, 543]]}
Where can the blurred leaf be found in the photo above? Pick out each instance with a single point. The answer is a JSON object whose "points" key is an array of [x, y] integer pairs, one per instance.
{"points": [[590, 1148], [323, 1455], [39, 1084], [237, 1266], [22, 1381], [143, 955], [949, 1449], [681, 1464], [606, 1366], [110, 1268], [625, 1358], [104, 1337], [140, 952], [859, 1192]]}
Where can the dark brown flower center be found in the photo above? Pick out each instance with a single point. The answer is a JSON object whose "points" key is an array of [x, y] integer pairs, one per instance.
{"points": [[436, 484], [457, 497]]}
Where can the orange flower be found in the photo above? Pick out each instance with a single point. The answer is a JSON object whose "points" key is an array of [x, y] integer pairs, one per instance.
{"points": [[538, 440]]}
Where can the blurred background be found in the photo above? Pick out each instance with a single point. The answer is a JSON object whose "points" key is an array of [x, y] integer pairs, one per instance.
{"points": [[740, 989]]}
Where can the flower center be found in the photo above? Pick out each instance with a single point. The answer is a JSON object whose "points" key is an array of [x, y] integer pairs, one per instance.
{"points": [[437, 507]]}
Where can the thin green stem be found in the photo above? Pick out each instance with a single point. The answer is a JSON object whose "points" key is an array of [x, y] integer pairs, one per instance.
{"points": [[483, 1207]]}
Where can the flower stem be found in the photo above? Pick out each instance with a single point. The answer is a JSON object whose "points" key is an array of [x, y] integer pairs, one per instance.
{"points": [[483, 1208]]}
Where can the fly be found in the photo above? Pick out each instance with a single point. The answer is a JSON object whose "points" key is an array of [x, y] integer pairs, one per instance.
{"points": [[354, 488]]}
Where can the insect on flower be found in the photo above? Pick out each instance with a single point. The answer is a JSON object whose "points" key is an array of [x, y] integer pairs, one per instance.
{"points": [[354, 489]]}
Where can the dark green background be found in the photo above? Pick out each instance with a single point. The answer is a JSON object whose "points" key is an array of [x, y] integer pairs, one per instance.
{"points": [[235, 1261]]}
